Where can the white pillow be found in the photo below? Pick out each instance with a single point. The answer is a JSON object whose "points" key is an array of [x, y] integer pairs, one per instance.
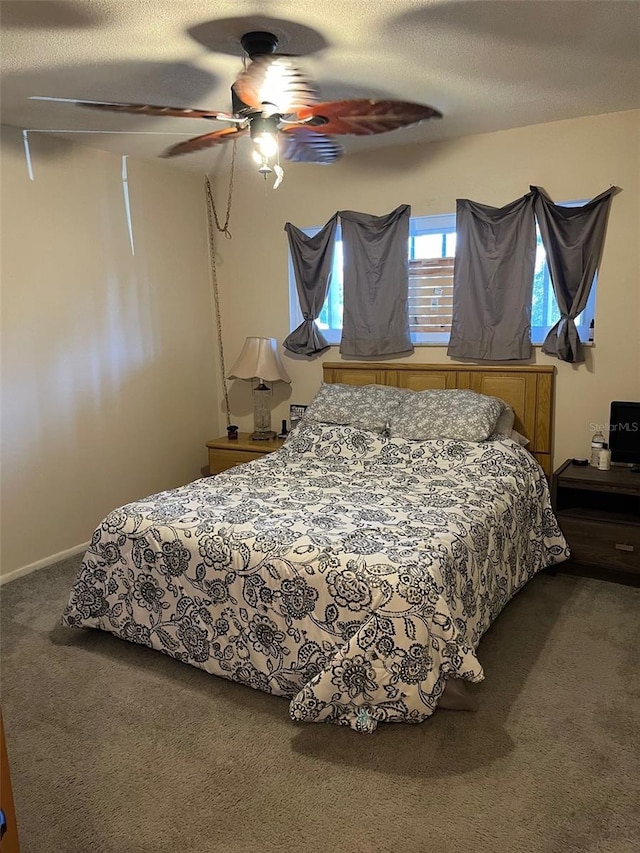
{"points": [[519, 438]]}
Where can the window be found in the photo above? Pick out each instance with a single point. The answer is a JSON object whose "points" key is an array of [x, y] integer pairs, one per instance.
{"points": [[431, 253]]}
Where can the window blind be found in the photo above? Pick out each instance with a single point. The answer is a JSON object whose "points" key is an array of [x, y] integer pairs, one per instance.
{"points": [[430, 295]]}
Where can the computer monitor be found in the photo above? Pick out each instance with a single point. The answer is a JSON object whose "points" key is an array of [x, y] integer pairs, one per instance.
{"points": [[624, 433]]}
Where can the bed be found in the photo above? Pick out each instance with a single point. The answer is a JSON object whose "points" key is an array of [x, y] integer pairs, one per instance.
{"points": [[355, 570]]}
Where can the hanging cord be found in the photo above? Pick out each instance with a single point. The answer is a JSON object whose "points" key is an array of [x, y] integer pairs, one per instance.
{"points": [[212, 217]]}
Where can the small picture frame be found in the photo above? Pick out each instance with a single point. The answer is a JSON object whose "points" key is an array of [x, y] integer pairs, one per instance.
{"points": [[296, 411]]}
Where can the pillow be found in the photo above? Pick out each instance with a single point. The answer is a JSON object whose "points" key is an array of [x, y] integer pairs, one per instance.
{"points": [[365, 406], [505, 423], [459, 414], [519, 438]]}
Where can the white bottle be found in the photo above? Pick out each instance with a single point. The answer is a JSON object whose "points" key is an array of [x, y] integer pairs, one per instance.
{"points": [[597, 444], [604, 459]]}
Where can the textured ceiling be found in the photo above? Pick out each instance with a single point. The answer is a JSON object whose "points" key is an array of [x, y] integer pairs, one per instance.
{"points": [[485, 64]]}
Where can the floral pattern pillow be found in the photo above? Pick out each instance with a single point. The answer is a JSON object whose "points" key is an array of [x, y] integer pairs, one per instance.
{"points": [[457, 414], [369, 407]]}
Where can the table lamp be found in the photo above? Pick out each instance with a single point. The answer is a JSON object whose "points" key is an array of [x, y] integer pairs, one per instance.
{"points": [[259, 360]]}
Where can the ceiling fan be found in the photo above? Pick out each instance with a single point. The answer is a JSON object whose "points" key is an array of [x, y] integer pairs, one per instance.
{"points": [[281, 110]]}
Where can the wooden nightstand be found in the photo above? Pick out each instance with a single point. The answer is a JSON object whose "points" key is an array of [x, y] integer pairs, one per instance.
{"points": [[225, 454], [599, 514]]}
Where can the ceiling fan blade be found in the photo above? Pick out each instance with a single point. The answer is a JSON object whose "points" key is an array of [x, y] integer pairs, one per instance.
{"points": [[145, 109], [301, 145], [207, 140], [361, 117], [275, 80]]}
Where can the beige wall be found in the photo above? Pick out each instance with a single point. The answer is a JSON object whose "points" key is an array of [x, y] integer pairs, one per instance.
{"points": [[570, 159], [108, 386], [108, 383]]}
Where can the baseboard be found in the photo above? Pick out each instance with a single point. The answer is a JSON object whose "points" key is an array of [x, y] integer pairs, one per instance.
{"points": [[42, 564]]}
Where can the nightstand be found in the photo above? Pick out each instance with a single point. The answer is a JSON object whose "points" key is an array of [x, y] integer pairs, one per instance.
{"points": [[599, 514], [225, 454]]}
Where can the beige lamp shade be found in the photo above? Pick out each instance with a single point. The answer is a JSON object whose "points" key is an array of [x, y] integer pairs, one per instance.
{"points": [[260, 359]]}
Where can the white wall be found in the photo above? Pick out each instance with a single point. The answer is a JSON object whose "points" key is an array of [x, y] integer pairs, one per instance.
{"points": [[570, 159], [108, 387]]}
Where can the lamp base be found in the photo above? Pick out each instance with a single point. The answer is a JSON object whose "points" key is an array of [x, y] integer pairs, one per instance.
{"points": [[263, 436], [262, 413]]}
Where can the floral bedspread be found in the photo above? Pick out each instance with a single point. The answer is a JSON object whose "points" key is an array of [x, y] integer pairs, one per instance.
{"points": [[351, 572]]}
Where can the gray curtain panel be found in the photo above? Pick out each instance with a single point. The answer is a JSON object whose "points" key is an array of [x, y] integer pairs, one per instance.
{"points": [[573, 238], [493, 280], [376, 283], [312, 262]]}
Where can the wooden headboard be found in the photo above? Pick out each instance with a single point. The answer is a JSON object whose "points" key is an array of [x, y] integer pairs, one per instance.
{"points": [[528, 389]]}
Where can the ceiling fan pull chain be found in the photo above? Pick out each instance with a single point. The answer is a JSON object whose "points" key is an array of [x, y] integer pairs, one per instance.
{"points": [[212, 216], [224, 229]]}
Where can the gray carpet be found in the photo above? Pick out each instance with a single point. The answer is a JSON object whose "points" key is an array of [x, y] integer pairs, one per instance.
{"points": [[116, 748]]}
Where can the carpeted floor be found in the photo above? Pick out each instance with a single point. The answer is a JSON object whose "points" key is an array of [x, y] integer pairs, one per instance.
{"points": [[115, 748]]}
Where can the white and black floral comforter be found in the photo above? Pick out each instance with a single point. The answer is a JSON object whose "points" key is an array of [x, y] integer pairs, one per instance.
{"points": [[350, 572]]}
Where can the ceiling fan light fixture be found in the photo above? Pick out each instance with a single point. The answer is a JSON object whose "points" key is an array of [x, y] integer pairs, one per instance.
{"points": [[264, 135], [266, 144], [268, 163], [262, 125]]}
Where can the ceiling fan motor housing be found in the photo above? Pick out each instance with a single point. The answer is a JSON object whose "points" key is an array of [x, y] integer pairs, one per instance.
{"points": [[259, 44]]}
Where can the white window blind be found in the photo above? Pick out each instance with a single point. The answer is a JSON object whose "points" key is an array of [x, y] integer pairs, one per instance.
{"points": [[430, 295]]}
